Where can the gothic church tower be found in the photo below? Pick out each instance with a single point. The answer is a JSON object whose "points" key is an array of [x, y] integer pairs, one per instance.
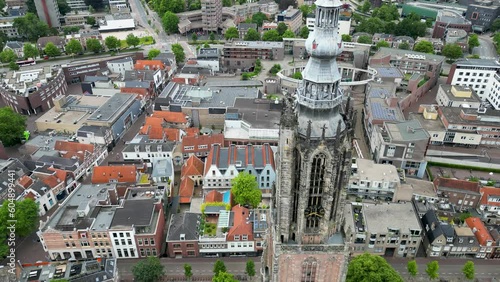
{"points": [[313, 165]]}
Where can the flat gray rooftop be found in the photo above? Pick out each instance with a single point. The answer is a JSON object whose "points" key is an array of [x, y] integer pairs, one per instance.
{"points": [[428, 124], [134, 212], [210, 97], [380, 217], [258, 113], [410, 130], [479, 63], [112, 107], [233, 83]]}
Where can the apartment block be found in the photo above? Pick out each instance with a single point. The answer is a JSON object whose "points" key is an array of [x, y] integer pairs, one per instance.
{"points": [[462, 194], [373, 228], [183, 234], [482, 14], [373, 181], [292, 18], [224, 164], [402, 145], [211, 16], [479, 74], [457, 96], [242, 54]]}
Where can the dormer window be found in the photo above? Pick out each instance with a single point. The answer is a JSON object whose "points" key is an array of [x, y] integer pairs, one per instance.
{"points": [[183, 237]]}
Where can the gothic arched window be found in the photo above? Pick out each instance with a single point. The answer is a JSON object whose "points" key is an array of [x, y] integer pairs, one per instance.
{"points": [[309, 268]]}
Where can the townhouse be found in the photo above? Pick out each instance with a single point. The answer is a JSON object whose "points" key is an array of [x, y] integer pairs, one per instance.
{"points": [[461, 194], [224, 164], [200, 145], [438, 236], [483, 236]]}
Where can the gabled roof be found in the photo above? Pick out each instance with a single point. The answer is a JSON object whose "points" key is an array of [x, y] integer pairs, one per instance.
{"points": [[152, 122], [149, 65], [122, 174], [197, 140], [192, 167], [486, 193], [61, 174], [213, 196], [14, 45], [172, 134], [436, 227], [183, 224], [56, 40], [25, 181], [481, 232], [192, 131], [186, 190], [73, 149], [250, 156], [172, 117], [241, 225], [51, 181], [456, 184]]}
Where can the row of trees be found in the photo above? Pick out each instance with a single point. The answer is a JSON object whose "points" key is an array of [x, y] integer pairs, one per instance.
{"points": [[26, 214], [151, 270], [368, 267]]}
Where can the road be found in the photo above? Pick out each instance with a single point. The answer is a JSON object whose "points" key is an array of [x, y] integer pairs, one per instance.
{"points": [[486, 50], [201, 266], [449, 268]]}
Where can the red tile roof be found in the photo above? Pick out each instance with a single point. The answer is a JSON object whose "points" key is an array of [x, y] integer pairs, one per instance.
{"points": [[51, 181], [197, 140], [186, 190], [192, 167], [25, 181], [171, 117], [172, 134], [192, 131], [122, 174], [73, 149], [30, 195], [457, 184], [241, 226], [213, 196], [149, 64], [480, 231], [486, 192]]}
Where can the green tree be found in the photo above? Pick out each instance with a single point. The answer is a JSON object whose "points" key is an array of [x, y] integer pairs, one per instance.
{"points": [[297, 75], [30, 27], [346, 38], [148, 270], [132, 40], [7, 56], [13, 66], [275, 69], [250, 268], [495, 25], [259, 18], [231, 33], [282, 27], [468, 270], [94, 45], [178, 53], [404, 46], [188, 271], [51, 50], [473, 42], [112, 43], [224, 277], [245, 76], [30, 51], [432, 270], [382, 43], [464, 215], [170, 22], [410, 26], [365, 8], [227, 3], [97, 4], [271, 35], [386, 12], [452, 51], [368, 267], [91, 9], [246, 190], [64, 8], [194, 37], [424, 46], [365, 39], [428, 22], [372, 26], [91, 21], [252, 35], [219, 267], [73, 47], [206, 45], [153, 53], [304, 32], [212, 37], [26, 213], [412, 268], [288, 34]]}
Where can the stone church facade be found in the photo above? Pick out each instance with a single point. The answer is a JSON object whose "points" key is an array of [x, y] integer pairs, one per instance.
{"points": [[313, 164]]}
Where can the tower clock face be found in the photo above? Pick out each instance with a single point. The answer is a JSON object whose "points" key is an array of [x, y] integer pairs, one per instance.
{"points": [[314, 211]]}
